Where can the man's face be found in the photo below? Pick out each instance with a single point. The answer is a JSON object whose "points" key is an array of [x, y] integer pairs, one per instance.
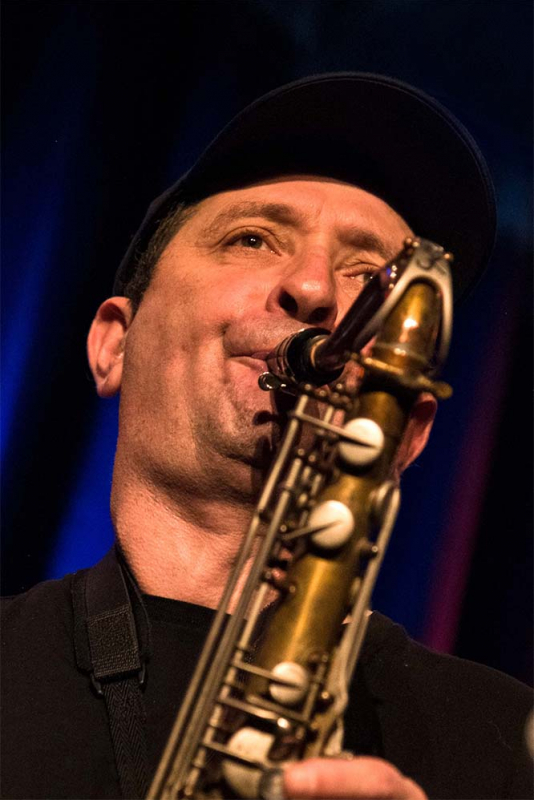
{"points": [[250, 267]]}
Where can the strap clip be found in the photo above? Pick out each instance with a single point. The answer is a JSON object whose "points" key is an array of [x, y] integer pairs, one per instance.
{"points": [[97, 685]]}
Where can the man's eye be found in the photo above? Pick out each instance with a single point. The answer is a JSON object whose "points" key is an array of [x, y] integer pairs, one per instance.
{"points": [[250, 241], [363, 275]]}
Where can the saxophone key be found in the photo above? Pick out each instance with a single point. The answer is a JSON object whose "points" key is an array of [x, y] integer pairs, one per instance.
{"points": [[293, 683]]}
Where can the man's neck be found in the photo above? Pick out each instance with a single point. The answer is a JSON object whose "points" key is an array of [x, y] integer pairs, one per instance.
{"points": [[180, 548]]}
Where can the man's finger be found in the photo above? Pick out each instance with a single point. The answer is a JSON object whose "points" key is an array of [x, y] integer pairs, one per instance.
{"points": [[362, 777]]}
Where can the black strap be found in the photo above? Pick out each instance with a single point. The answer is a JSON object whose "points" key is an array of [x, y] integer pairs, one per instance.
{"points": [[112, 643]]}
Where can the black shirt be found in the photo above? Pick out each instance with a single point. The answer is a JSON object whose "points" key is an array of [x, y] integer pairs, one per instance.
{"points": [[455, 727]]}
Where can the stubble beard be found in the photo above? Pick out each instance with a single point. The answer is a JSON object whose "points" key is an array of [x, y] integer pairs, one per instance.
{"points": [[244, 441]]}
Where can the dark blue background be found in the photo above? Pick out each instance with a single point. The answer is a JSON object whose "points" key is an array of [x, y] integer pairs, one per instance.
{"points": [[104, 105]]}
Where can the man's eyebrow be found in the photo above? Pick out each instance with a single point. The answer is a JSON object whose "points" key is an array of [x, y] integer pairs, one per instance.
{"points": [[274, 212], [364, 239]]}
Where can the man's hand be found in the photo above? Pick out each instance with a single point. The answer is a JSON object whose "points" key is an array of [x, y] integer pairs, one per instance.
{"points": [[360, 777]]}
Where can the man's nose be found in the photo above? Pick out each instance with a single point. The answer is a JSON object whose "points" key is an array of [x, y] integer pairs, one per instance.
{"points": [[306, 291]]}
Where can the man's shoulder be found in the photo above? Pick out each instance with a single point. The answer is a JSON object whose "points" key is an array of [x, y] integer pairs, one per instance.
{"points": [[51, 601], [448, 717], [57, 724], [444, 676], [40, 600], [39, 620]]}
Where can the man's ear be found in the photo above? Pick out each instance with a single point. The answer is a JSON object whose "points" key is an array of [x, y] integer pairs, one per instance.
{"points": [[105, 344], [417, 431]]}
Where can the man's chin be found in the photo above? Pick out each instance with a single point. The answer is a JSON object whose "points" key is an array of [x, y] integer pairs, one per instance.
{"points": [[262, 445], [253, 436], [272, 424]]}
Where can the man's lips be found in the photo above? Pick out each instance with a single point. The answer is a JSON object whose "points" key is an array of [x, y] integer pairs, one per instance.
{"points": [[261, 355], [256, 361]]}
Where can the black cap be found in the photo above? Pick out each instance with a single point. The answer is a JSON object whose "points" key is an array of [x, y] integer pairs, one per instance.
{"points": [[369, 130]]}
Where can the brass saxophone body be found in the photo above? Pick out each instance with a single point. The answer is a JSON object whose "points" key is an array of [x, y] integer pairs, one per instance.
{"points": [[269, 692]]}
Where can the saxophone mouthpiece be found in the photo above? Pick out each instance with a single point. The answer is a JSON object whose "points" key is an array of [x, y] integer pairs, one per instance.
{"points": [[294, 361]]}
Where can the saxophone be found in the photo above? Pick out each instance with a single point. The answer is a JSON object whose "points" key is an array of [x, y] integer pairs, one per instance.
{"points": [[272, 684]]}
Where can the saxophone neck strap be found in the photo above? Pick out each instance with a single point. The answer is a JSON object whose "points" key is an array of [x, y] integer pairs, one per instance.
{"points": [[112, 645]]}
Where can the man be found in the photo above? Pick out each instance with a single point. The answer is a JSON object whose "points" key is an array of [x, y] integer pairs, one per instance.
{"points": [[278, 226]]}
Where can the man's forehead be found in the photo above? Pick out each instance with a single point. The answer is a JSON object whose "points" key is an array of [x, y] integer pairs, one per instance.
{"points": [[294, 200]]}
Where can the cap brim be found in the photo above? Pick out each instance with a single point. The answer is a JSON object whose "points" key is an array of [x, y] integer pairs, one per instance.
{"points": [[372, 131]]}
